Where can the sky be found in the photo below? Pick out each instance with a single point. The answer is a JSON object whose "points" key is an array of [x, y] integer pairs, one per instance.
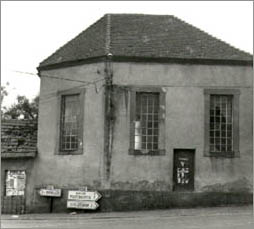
{"points": [[31, 31]]}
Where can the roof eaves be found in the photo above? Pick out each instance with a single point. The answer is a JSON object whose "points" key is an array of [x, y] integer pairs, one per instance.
{"points": [[148, 60], [72, 63], [182, 60]]}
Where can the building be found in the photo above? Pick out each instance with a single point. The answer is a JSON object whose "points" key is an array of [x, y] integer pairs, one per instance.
{"points": [[18, 151], [148, 110]]}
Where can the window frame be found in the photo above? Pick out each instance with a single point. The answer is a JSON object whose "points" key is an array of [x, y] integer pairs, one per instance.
{"points": [[235, 93], [162, 115], [60, 95]]}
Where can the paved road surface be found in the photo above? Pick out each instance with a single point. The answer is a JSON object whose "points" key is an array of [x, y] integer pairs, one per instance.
{"points": [[208, 218]]}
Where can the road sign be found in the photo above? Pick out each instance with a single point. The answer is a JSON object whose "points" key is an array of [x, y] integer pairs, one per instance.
{"points": [[50, 192], [82, 204], [84, 195]]}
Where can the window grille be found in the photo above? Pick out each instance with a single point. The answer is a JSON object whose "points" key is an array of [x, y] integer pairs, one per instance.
{"points": [[221, 123], [70, 115], [147, 121]]}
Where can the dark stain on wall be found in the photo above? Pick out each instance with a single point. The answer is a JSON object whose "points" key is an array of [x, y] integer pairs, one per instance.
{"points": [[223, 164], [118, 200], [145, 200], [142, 185], [240, 185]]}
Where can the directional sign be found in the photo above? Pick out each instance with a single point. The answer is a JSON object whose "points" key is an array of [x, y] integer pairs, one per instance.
{"points": [[84, 195], [50, 192], [82, 204]]}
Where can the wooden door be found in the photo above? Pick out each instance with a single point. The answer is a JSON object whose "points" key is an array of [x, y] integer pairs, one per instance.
{"points": [[183, 171], [13, 198]]}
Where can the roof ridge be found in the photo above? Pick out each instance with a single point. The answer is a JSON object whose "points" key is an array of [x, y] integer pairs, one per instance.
{"points": [[108, 33], [212, 36]]}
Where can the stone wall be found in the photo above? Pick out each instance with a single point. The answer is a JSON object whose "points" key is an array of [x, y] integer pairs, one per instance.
{"points": [[18, 137]]}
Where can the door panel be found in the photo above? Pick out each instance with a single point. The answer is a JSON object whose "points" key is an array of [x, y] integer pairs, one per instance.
{"points": [[13, 198], [183, 171]]}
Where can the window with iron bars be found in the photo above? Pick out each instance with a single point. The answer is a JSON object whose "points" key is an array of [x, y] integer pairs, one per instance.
{"points": [[70, 124], [147, 121], [222, 122]]}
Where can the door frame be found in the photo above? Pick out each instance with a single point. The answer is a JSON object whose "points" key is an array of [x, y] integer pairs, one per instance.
{"points": [[190, 150]]}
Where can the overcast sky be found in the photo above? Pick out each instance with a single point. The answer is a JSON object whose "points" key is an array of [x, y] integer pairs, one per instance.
{"points": [[31, 31]]}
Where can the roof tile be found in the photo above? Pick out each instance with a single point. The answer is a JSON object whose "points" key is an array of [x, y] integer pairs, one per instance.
{"points": [[140, 35]]}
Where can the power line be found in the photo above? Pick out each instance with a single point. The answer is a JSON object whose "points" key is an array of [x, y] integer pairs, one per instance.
{"points": [[61, 78], [51, 95], [84, 83]]}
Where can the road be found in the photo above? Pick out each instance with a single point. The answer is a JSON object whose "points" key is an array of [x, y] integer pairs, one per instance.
{"points": [[208, 218]]}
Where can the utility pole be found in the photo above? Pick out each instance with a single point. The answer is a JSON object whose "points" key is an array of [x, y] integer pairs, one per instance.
{"points": [[109, 119]]}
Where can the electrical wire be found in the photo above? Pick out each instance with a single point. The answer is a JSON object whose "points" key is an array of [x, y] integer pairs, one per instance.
{"points": [[57, 77], [53, 95], [85, 84]]}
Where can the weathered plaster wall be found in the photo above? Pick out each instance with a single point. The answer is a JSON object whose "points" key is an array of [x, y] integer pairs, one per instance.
{"points": [[184, 85], [70, 171]]}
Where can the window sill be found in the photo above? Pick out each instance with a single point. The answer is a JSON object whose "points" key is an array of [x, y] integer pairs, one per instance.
{"points": [[71, 152], [7, 155], [158, 152], [230, 154]]}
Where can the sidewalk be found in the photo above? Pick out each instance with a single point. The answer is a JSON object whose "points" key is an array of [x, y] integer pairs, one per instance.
{"points": [[229, 210]]}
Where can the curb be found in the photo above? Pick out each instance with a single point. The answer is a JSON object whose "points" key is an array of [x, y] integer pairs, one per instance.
{"points": [[227, 211]]}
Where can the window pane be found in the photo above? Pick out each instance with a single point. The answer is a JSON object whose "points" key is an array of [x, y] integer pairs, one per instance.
{"points": [[155, 146], [221, 139], [147, 107], [70, 115]]}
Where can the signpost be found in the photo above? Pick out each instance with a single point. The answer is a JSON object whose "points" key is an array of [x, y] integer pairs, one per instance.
{"points": [[83, 195], [81, 199], [50, 192], [82, 204]]}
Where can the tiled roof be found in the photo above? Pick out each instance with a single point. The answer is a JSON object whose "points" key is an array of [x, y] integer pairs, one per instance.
{"points": [[18, 138], [150, 36]]}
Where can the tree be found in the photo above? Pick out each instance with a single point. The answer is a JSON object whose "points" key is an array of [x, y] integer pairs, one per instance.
{"points": [[4, 92], [23, 109]]}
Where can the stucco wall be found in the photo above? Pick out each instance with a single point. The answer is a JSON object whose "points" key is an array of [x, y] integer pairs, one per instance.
{"points": [[70, 170], [184, 85], [184, 128]]}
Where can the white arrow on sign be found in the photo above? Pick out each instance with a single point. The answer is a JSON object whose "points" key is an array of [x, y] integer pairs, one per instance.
{"points": [[83, 195], [82, 204]]}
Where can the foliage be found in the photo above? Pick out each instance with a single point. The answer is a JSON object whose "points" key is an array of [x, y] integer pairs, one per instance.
{"points": [[3, 92], [23, 109]]}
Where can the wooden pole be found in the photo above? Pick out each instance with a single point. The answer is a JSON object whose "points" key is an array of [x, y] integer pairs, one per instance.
{"points": [[51, 204]]}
